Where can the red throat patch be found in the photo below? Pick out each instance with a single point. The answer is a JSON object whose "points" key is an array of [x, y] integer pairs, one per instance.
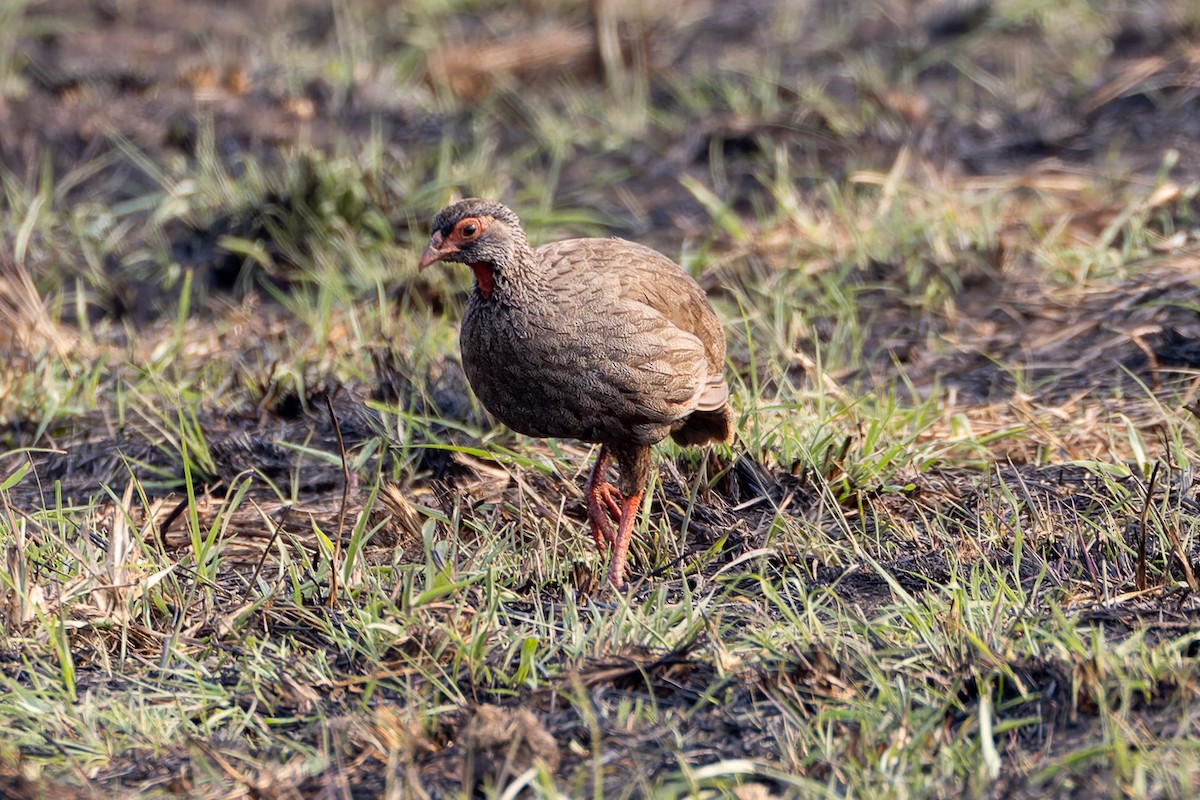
{"points": [[485, 278]]}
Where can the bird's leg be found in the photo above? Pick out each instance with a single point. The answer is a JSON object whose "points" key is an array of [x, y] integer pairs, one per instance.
{"points": [[629, 512], [598, 483], [602, 502], [633, 466]]}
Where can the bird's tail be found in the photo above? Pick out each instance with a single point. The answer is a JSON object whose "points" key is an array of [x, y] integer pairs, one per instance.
{"points": [[712, 419], [702, 427]]}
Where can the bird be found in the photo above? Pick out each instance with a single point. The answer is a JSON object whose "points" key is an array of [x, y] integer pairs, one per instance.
{"points": [[601, 340]]}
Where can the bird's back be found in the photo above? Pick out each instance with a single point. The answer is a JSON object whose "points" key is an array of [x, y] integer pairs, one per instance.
{"points": [[644, 278]]}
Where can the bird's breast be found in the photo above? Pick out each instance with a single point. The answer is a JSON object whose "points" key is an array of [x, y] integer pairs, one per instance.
{"points": [[537, 376]]}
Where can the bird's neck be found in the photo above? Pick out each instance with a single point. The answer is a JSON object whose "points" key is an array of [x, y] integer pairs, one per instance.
{"points": [[485, 279], [520, 274]]}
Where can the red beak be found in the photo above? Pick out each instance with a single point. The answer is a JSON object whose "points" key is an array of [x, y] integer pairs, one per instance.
{"points": [[436, 250]]}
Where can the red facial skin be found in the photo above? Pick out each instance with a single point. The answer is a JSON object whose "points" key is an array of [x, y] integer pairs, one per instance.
{"points": [[442, 248]]}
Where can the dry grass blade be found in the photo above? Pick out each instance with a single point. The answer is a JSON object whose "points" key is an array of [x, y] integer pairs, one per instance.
{"points": [[24, 597], [250, 584], [112, 598], [1147, 500], [336, 561], [1181, 554], [1134, 74], [25, 324]]}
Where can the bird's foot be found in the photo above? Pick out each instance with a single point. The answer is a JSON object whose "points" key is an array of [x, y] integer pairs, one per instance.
{"points": [[602, 534], [612, 498], [603, 502], [602, 529], [602, 497]]}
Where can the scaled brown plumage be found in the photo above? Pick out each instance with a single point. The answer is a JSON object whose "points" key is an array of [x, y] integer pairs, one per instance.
{"points": [[601, 340]]}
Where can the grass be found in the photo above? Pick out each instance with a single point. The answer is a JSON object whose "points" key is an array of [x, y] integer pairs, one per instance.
{"points": [[260, 539]]}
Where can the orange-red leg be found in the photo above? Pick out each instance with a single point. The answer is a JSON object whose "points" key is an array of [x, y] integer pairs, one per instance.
{"points": [[603, 501], [629, 512]]}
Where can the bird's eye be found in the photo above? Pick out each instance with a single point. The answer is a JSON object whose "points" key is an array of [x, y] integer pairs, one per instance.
{"points": [[470, 229]]}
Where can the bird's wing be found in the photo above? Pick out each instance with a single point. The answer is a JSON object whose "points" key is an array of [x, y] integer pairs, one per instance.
{"points": [[657, 315]]}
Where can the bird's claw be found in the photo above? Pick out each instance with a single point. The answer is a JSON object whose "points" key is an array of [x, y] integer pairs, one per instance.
{"points": [[603, 502], [612, 498]]}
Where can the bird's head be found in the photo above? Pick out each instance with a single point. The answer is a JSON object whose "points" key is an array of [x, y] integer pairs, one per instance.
{"points": [[483, 234]]}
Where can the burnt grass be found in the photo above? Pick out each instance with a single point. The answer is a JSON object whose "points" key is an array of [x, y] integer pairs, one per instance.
{"points": [[143, 76]]}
